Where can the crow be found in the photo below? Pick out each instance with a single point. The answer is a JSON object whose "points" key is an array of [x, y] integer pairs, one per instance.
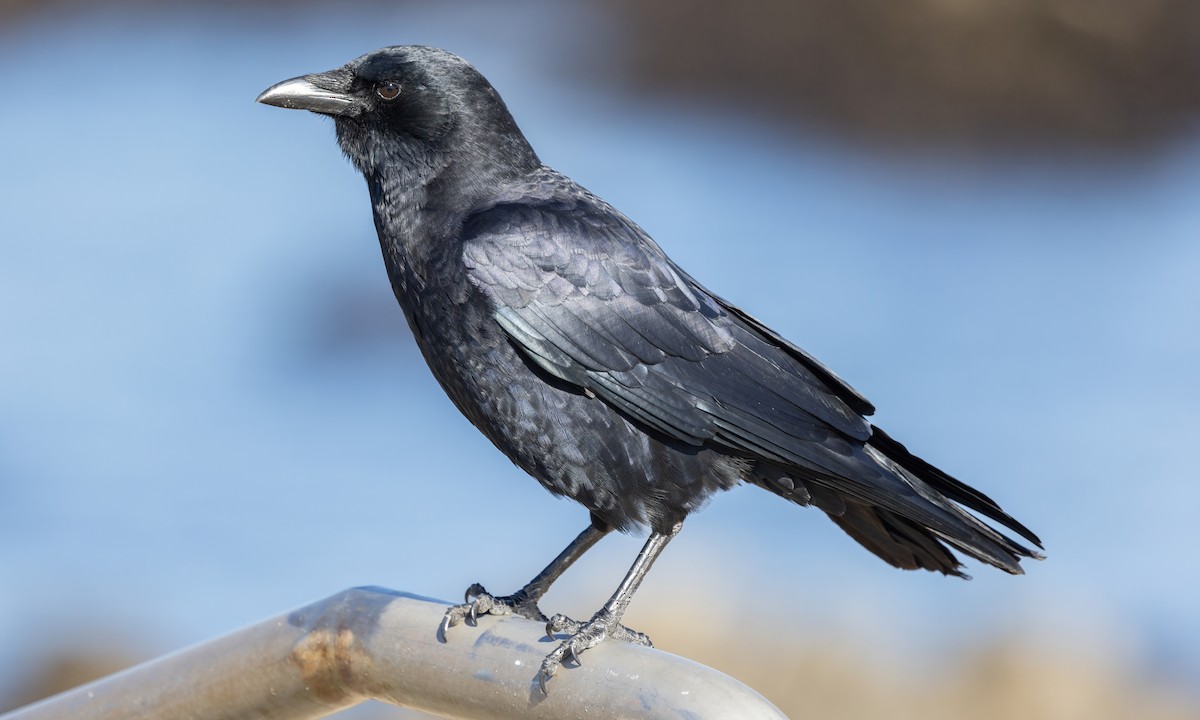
{"points": [[566, 335]]}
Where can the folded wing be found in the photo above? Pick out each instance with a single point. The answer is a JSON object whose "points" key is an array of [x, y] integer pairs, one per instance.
{"points": [[592, 300]]}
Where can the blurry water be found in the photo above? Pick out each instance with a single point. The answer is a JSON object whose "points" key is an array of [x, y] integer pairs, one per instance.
{"points": [[211, 411]]}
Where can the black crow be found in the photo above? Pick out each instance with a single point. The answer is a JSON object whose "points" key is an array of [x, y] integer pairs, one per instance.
{"points": [[597, 365]]}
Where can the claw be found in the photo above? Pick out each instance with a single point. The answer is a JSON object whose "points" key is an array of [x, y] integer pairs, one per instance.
{"points": [[444, 627], [477, 602], [550, 629], [549, 667], [570, 653], [474, 591]]}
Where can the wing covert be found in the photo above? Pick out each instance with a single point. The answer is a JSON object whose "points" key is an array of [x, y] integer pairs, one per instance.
{"points": [[590, 299]]}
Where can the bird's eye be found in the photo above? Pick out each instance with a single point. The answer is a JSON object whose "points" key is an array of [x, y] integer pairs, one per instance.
{"points": [[388, 89]]}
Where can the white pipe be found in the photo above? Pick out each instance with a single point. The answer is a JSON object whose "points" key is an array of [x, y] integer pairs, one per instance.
{"points": [[372, 643]]}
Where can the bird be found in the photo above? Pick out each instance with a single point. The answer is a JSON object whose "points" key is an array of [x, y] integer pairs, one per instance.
{"points": [[599, 366]]}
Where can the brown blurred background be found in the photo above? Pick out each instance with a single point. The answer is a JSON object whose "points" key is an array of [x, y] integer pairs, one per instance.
{"points": [[1093, 74], [1090, 74]]}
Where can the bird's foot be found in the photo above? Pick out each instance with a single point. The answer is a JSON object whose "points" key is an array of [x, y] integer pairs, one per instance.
{"points": [[583, 636], [478, 601]]}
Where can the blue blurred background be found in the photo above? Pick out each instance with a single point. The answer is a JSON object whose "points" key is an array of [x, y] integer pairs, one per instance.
{"points": [[212, 411]]}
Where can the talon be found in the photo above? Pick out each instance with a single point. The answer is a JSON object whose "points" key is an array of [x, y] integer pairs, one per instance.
{"points": [[549, 667], [550, 629], [444, 627], [477, 602], [570, 653]]}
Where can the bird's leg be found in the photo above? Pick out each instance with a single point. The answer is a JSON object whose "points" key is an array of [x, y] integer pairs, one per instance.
{"points": [[478, 601], [607, 622]]}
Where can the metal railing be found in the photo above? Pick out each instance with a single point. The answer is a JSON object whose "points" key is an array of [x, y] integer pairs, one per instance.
{"points": [[373, 643]]}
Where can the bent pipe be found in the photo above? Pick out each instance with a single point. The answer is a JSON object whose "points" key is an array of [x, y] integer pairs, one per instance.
{"points": [[377, 644]]}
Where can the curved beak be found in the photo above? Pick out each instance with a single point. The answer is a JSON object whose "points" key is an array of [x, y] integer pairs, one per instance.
{"points": [[304, 93]]}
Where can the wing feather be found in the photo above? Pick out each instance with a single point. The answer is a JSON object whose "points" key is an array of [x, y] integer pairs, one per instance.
{"points": [[594, 301]]}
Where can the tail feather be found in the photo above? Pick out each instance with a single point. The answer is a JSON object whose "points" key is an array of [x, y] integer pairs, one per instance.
{"points": [[900, 542], [948, 486], [914, 531], [964, 531]]}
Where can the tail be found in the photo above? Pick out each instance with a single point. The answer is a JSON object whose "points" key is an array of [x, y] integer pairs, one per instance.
{"points": [[919, 532], [903, 542]]}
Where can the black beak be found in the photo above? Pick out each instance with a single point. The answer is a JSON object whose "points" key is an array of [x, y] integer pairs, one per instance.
{"points": [[311, 92]]}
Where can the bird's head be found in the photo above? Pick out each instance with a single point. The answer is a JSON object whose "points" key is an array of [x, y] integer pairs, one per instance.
{"points": [[411, 108]]}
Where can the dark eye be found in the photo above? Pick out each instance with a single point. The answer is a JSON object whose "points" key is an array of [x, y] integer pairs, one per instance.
{"points": [[388, 89]]}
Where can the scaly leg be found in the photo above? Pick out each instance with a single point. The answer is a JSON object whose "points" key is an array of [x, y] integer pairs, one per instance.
{"points": [[607, 622], [524, 601]]}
